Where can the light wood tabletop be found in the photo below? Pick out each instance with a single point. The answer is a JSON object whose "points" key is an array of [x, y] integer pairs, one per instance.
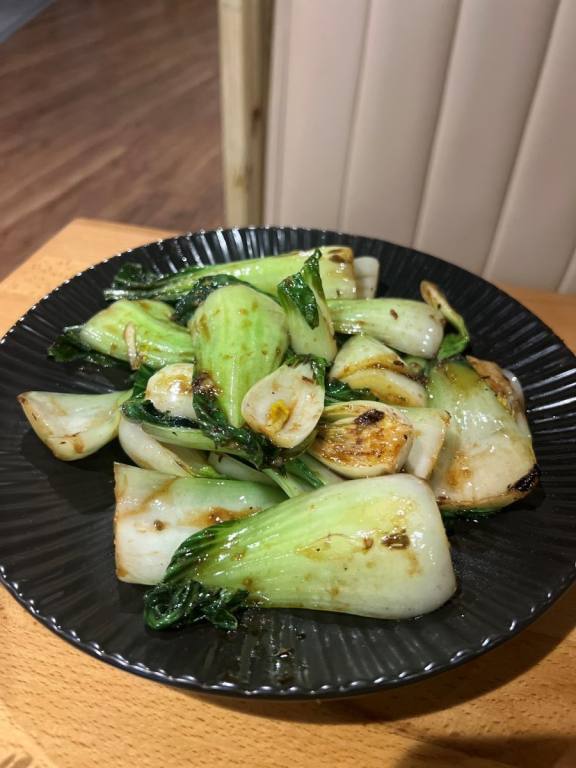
{"points": [[515, 706]]}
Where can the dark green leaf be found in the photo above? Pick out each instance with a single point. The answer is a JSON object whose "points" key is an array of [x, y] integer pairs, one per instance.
{"points": [[133, 275], [300, 469], [68, 348], [213, 423], [318, 365], [171, 606], [296, 293], [140, 380], [339, 392], [186, 306]]}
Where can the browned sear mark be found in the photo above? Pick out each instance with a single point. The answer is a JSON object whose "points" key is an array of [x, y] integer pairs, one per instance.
{"points": [[396, 540], [394, 314], [159, 525], [369, 417], [367, 543]]}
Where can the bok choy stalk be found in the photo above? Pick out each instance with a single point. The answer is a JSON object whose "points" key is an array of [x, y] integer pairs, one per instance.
{"points": [[336, 269], [170, 390], [239, 337], [156, 512], [408, 326], [367, 270], [365, 363], [309, 322], [234, 469], [487, 461], [73, 426], [148, 453], [453, 343], [374, 547], [286, 405], [430, 427], [290, 484], [136, 332], [362, 439], [310, 469]]}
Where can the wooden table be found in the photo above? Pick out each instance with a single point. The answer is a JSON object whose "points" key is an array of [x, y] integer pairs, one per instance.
{"points": [[515, 706]]}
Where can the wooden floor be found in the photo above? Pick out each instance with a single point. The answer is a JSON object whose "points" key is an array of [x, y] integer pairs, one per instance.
{"points": [[109, 108]]}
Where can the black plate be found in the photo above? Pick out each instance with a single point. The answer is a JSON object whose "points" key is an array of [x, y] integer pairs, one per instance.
{"points": [[56, 546]]}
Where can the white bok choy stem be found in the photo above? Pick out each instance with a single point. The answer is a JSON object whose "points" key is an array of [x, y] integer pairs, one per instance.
{"points": [[234, 469], [170, 390], [430, 426], [366, 363], [149, 453], [73, 426], [286, 405], [156, 512], [367, 270], [409, 326], [487, 460]]}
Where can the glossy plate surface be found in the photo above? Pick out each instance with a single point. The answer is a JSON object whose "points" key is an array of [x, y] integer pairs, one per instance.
{"points": [[56, 548]]}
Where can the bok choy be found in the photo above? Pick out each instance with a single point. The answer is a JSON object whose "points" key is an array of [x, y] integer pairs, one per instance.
{"points": [[239, 336], [374, 547], [487, 461], [136, 332], [408, 326], [73, 426], [156, 512], [336, 269], [309, 323]]}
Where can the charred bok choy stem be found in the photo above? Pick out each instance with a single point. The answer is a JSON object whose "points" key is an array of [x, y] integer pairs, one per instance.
{"points": [[155, 512], [309, 322], [487, 461], [365, 363], [336, 269], [362, 439], [136, 332], [286, 405], [374, 547], [239, 336], [408, 326], [73, 426]]}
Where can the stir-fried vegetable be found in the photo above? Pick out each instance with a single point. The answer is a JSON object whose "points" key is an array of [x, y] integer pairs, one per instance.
{"points": [[452, 343], [373, 547], [367, 364], [362, 439], [137, 332], [73, 426], [309, 322], [170, 390], [148, 453], [156, 512], [286, 405], [239, 337], [251, 409], [336, 269], [409, 326], [487, 460], [367, 271]]}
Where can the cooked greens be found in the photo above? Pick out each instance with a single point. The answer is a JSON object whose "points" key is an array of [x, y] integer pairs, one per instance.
{"points": [[296, 439], [336, 269], [239, 336], [373, 547]]}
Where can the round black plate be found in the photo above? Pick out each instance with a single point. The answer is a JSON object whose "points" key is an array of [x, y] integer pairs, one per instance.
{"points": [[56, 549]]}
